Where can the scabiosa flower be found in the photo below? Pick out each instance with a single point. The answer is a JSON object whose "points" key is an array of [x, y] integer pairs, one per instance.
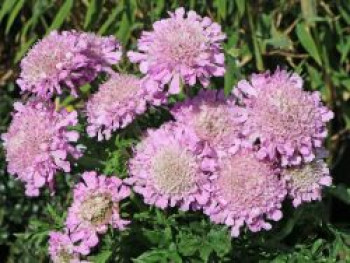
{"points": [[68, 59], [38, 142], [305, 182], [167, 170], [214, 118], [62, 249], [182, 48], [289, 123], [95, 206], [246, 191], [115, 105]]}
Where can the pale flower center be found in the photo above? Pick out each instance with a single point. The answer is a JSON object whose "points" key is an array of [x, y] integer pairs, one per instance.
{"points": [[117, 89], [180, 43], [26, 144], [97, 209], [284, 113], [173, 170], [63, 257], [212, 122], [242, 181], [309, 174]]}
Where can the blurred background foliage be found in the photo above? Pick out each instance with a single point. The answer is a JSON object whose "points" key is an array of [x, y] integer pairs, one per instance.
{"points": [[311, 37]]}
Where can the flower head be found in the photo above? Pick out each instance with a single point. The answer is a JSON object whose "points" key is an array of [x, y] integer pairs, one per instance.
{"points": [[288, 123], [167, 171], [305, 182], [182, 48], [62, 249], [95, 206], [115, 105], [38, 142], [67, 59], [246, 191], [215, 119]]}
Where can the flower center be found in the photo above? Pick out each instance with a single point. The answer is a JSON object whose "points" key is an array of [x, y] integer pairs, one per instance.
{"points": [[284, 112], [97, 209], [63, 257], [309, 174], [117, 89], [179, 41], [173, 171], [27, 142], [212, 122], [242, 174]]}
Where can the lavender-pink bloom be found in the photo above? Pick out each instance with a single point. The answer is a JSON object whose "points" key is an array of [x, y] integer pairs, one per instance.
{"points": [[62, 249], [305, 182], [115, 105], [215, 119], [167, 170], [38, 142], [66, 60], [288, 123], [181, 49], [246, 191], [95, 206]]}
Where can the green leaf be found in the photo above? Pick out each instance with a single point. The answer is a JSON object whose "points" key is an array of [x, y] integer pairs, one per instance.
{"points": [[111, 18], [306, 40], [5, 8], [341, 192], [23, 49], [94, 9], [61, 15], [222, 7], [13, 15], [101, 257], [241, 6]]}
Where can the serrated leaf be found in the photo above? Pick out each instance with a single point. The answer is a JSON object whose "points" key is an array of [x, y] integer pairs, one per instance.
{"points": [[308, 43], [101, 257]]}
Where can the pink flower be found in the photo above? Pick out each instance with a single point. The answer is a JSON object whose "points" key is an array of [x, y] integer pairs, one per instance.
{"points": [[246, 191], [66, 60], [115, 105], [167, 170], [95, 206], [38, 142], [305, 182], [62, 249], [215, 119], [181, 49], [288, 123]]}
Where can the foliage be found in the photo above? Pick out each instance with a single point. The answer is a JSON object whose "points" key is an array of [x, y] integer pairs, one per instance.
{"points": [[310, 37]]}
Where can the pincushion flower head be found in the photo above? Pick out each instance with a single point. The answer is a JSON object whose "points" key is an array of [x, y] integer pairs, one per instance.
{"points": [[167, 170], [96, 205], [66, 60], [115, 105], [305, 182], [62, 249], [215, 119], [246, 191], [38, 143], [183, 48], [288, 122]]}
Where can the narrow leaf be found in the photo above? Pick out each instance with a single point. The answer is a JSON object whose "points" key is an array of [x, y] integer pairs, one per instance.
{"points": [[61, 15], [308, 42]]}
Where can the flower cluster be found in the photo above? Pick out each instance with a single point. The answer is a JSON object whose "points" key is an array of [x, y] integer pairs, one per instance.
{"points": [[255, 148], [66, 60], [38, 143], [96, 205], [235, 157], [183, 48]]}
